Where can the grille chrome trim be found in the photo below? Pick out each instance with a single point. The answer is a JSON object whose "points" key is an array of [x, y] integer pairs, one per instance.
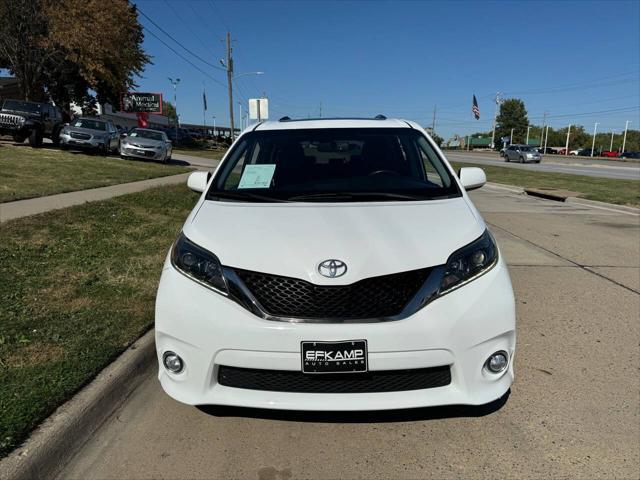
{"points": [[241, 294], [12, 120], [294, 381]]}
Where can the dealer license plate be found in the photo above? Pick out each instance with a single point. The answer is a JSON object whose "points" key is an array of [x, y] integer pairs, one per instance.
{"points": [[348, 356]]}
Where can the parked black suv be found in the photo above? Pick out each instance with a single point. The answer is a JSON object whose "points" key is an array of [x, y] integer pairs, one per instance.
{"points": [[32, 120]]}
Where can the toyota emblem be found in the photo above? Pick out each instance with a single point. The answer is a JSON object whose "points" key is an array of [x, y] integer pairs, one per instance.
{"points": [[332, 268]]}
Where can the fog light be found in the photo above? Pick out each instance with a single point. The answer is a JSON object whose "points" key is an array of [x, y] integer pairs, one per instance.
{"points": [[497, 362], [172, 362]]}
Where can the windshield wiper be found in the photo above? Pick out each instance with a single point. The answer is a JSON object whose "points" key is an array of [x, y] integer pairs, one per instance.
{"points": [[355, 195], [246, 196]]}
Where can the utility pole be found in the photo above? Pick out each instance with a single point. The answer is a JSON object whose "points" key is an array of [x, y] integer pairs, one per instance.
{"points": [[527, 142], [546, 137], [624, 139], [611, 146], [214, 126], [228, 64], [593, 143], [175, 101], [495, 116], [433, 124], [566, 148], [544, 122], [240, 105], [511, 139]]}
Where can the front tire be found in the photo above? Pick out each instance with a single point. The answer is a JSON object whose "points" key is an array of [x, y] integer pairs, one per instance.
{"points": [[19, 138], [35, 138], [521, 160]]}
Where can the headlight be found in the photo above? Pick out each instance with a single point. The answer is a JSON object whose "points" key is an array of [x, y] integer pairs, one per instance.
{"points": [[198, 264], [469, 262]]}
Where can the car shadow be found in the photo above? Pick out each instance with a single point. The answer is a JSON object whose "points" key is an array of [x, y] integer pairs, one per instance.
{"points": [[376, 416], [181, 163]]}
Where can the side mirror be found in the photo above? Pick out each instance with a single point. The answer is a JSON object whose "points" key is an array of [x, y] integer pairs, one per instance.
{"points": [[197, 181], [122, 135], [471, 178]]}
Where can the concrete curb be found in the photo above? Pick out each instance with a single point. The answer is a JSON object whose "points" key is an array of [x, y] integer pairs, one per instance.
{"points": [[608, 206], [573, 200], [509, 188], [53, 443]]}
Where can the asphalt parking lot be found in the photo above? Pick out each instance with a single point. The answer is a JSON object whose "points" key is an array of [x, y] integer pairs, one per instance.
{"points": [[573, 411]]}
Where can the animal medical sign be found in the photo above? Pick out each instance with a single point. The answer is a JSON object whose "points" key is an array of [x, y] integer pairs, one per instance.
{"points": [[136, 102]]}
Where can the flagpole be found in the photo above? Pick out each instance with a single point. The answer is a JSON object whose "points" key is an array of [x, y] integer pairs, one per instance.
{"points": [[204, 110]]}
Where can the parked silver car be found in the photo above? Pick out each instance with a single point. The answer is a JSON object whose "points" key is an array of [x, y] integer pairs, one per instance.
{"points": [[88, 133], [146, 143], [522, 154]]}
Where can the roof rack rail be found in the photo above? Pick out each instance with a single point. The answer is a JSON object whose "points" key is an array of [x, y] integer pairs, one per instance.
{"points": [[288, 119]]}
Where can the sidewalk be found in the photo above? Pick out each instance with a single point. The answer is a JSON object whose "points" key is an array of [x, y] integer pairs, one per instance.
{"points": [[33, 206]]}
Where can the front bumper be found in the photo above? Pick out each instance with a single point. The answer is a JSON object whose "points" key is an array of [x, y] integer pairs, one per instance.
{"points": [[142, 152], [84, 144], [460, 330]]}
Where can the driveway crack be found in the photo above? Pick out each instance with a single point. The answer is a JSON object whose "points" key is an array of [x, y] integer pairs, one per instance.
{"points": [[583, 267]]}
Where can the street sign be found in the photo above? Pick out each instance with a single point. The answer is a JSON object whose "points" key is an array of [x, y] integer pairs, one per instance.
{"points": [[137, 102], [259, 108]]}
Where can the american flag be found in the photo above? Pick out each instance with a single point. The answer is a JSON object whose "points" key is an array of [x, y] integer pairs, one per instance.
{"points": [[475, 109]]}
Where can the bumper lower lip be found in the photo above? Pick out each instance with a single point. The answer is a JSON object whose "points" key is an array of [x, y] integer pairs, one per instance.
{"points": [[460, 330], [133, 152]]}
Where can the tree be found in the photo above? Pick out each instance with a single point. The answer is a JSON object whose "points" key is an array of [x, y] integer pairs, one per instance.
{"points": [[22, 36], [512, 115], [65, 47], [169, 111], [437, 138]]}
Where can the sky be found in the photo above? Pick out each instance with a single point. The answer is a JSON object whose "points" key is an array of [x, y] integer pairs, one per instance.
{"points": [[578, 61]]}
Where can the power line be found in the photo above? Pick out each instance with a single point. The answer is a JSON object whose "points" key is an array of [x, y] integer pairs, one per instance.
{"points": [[183, 57], [215, 8], [579, 85], [180, 44], [600, 112], [191, 30]]}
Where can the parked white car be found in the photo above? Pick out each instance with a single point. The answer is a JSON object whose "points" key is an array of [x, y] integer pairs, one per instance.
{"points": [[335, 265]]}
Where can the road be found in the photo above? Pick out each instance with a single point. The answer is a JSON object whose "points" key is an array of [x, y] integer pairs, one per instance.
{"points": [[557, 163], [573, 411]]}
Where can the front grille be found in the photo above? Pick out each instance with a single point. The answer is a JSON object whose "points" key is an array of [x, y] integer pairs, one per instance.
{"points": [[375, 297], [369, 382], [80, 136], [12, 120]]}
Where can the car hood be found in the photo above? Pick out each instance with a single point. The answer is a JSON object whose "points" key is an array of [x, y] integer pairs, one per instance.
{"points": [[88, 131], [144, 142], [373, 239], [19, 113]]}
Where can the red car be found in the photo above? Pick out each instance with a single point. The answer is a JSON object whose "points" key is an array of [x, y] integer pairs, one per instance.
{"points": [[608, 153]]}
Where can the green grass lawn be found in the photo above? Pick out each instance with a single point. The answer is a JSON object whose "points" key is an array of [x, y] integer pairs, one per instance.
{"points": [[621, 192], [77, 286], [26, 172], [193, 152]]}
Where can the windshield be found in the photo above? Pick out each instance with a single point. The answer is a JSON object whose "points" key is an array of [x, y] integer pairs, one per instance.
{"points": [[90, 124], [525, 149], [345, 164], [18, 106], [150, 134]]}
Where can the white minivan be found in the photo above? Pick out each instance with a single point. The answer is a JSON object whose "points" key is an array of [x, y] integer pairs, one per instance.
{"points": [[335, 264]]}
